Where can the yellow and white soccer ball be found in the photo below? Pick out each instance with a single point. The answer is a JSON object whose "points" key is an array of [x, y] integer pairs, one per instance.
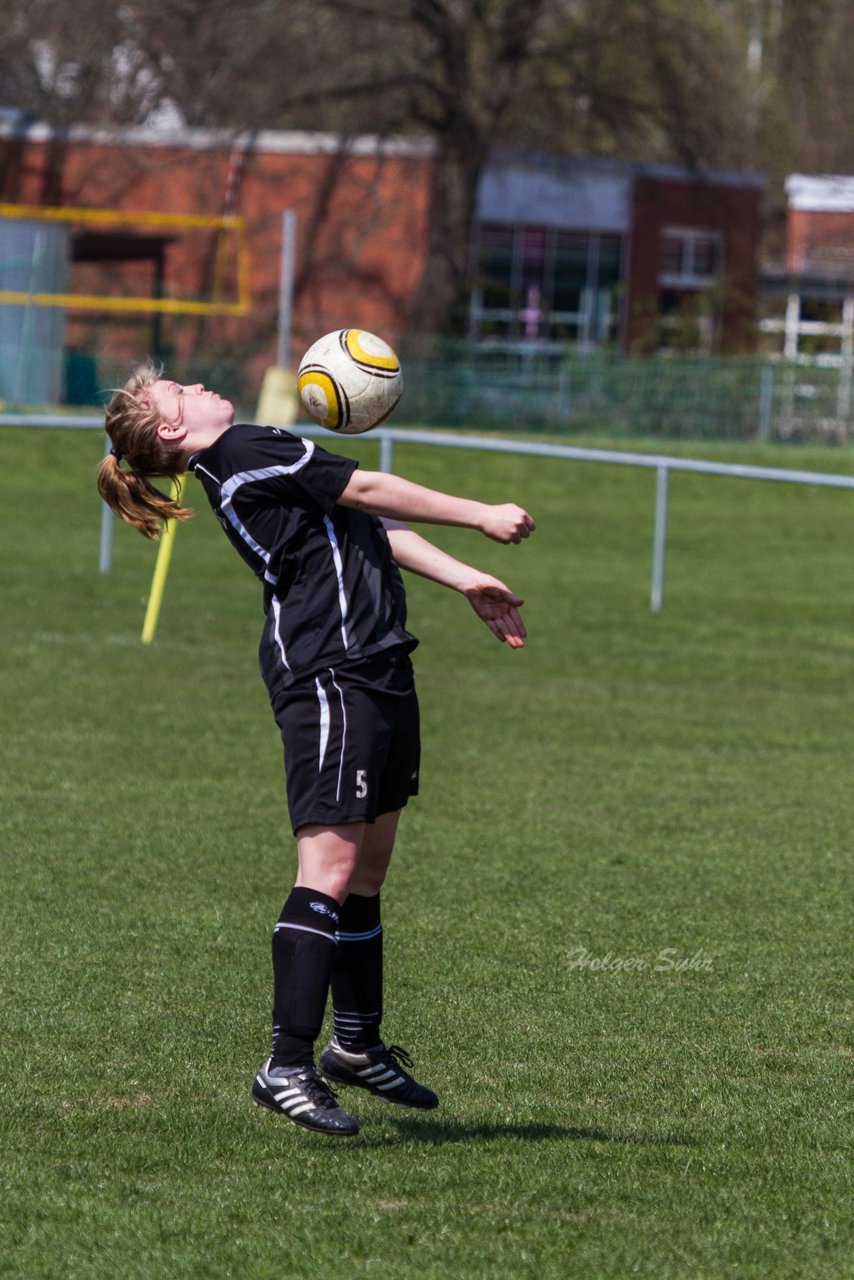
{"points": [[349, 381]]}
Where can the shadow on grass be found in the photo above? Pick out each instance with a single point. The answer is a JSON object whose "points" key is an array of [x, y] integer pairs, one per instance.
{"points": [[437, 1132]]}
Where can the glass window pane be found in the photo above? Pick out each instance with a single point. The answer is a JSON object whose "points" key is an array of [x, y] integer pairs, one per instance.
{"points": [[495, 266], [609, 260], [607, 314], [532, 256], [824, 310], [705, 256], [570, 270], [491, 327], [606, 298], [684, 321], [564, 330]]}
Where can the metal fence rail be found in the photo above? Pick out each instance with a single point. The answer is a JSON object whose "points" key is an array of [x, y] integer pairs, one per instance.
{"points": [[660, 463], [388, 437]]}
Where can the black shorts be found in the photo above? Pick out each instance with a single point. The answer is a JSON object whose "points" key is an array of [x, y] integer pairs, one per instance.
{"points": [[352, 741]]}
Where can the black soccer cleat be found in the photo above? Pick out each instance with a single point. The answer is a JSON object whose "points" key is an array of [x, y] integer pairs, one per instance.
{"points": [[380, 1071], [301, 1095]]}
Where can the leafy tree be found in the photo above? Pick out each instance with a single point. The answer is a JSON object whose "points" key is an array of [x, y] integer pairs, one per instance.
{"points": [[760, 83]]}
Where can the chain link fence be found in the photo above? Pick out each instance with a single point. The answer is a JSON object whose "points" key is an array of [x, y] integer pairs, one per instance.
{"points": [[460, 385], [673, 398]]}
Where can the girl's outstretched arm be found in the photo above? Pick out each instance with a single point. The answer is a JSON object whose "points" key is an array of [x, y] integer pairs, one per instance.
{"points": [[381, 494], [492, 601]]}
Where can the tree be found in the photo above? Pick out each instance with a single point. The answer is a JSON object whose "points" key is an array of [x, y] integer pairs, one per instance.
{"points": [[803, 60], [72, 64], [648, 77], [762, 83]]}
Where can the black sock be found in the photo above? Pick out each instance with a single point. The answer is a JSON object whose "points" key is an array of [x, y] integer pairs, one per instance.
{"points": [[357, 974], [303, 951]]}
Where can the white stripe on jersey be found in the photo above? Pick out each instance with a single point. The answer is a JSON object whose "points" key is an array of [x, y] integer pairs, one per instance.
{"points": [[277, 616], [339, 570], [324, 721], [227, 492], [241, 478]]}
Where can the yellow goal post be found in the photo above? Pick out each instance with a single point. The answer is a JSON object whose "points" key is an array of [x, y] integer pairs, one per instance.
{"points": [[227, 225]]}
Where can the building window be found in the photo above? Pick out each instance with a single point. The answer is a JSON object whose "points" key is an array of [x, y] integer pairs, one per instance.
{"points": [[690, 267], [813, 323], [686, 322], [536, 285], [690, 259]]}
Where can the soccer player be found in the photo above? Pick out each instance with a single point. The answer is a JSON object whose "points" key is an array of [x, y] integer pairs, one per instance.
{"points": [[326, 541]]}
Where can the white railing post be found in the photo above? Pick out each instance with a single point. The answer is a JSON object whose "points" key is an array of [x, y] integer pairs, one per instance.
{"points": [[386, 451], [766, 402], [286, 288], [105, 557], [659, 539]]}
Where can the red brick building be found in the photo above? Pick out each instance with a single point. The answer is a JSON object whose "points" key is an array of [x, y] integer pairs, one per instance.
{"points": [[820, 226], [360, 210], [595, 253], [809, 302], [695, 251], [564, 252]]}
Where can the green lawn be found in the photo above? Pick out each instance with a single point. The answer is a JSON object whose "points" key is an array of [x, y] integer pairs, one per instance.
{"points": [[626, 786]]}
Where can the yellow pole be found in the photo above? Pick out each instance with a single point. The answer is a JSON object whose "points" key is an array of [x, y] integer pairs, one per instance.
{"points": [[161, 570]]}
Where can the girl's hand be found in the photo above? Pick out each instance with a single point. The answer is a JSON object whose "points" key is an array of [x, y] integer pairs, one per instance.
{"points": [[505, 522], [498, 607]]}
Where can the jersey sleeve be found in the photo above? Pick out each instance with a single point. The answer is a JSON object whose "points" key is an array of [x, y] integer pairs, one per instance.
{"points": [[325, 476], [270, 461]]}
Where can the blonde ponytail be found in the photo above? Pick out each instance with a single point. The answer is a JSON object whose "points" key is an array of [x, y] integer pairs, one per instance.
{"points": [[129, 494], [132, 422]]}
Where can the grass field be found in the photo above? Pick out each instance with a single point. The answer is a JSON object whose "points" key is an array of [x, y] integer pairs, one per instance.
{"points": [[618, 928]]}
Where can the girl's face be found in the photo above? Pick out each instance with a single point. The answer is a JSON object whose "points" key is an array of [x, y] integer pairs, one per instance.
{"points": [[191, 407]]}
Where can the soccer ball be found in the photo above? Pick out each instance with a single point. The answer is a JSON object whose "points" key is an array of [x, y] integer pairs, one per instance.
{"points": [[349, 381]]}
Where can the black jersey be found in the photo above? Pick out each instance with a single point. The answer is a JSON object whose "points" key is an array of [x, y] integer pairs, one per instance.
{"points": [[332, 592]]}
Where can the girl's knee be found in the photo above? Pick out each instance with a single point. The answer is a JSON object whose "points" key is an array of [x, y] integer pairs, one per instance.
{"points": [[328, 859], [367, 881]]}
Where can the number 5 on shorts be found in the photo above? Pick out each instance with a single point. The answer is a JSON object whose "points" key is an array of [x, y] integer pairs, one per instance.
{"points": [[361, 784]]}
